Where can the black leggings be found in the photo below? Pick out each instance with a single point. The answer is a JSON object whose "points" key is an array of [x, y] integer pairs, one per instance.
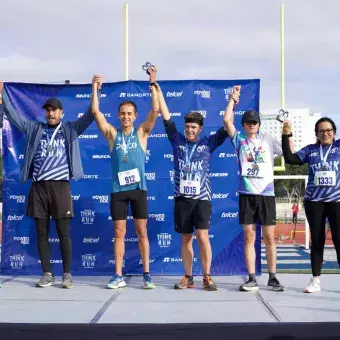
{"points": [[316, 213], [63, 230]]}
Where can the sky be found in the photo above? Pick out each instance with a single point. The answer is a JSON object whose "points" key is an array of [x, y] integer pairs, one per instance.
{"points": [[51, 41]]}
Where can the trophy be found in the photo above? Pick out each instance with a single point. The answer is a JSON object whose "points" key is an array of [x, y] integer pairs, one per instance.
{"points": [[282, 115], [147, 66]]}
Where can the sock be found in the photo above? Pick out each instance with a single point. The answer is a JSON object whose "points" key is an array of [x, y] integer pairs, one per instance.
{"points": [[146, 273], [189, 277], [271, 276], [252, 277]]}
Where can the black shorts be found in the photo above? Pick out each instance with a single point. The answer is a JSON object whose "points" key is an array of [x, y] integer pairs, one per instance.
{"points": [[120, 203], [190, 213], [50, 198], [257, 209]]}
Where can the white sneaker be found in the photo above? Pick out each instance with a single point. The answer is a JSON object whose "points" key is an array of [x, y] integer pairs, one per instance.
{"points": [[314, 286]]}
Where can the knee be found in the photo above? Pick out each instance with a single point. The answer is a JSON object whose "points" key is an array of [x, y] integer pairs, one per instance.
{"points": [[269, 240], [141, 233], [202, 238], [187, 239], [249, 238], [120, 232]]}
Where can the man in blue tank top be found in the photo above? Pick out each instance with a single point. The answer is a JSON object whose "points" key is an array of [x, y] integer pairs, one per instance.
{"points": [[192, 157], [128, 150]]}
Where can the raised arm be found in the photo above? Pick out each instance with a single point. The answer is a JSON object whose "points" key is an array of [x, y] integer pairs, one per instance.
{"points": [[163, 108], [13, 116], [150, 121], [107, 129], [288, 145], [228, 118]]}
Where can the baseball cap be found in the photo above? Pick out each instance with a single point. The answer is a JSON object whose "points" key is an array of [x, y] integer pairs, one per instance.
{"points": [[54, 102], [251, 116]]}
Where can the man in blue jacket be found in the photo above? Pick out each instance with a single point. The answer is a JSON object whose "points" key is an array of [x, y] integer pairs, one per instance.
{"points": [[51, 159]]}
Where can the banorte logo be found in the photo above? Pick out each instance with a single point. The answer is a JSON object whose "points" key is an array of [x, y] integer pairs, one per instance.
{"points": [[128, 239], [17, 261], [176, 259]]}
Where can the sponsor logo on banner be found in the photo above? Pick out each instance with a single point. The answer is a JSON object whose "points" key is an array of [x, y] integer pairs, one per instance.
{"points": [[75, 197], [88, 136], [15, 217], [18, 198], [150, 176], [101, 198], [21, 156], [114, 262], [158, 135], [229, 214], [169, 156], [88, 261], [54, 261], [202, 93], [16, 261], [227, 155], [91, 176], [228, 91], [217, 196], [164, 240], [128, 239], [22, 240], [90, 239], [147, 156], [134, 95], [172, 114], [158, 217], [107, 115], [176, 259], [239, 113], [87, 216], [88, 95], [170, 197], [151, 198], [174, 94], [100, 156], [150, 261], [219, 174], [53, 240]]}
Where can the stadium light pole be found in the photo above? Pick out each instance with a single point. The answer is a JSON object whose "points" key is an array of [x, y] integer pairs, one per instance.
{"points": [[282, 166], [126, 40]]}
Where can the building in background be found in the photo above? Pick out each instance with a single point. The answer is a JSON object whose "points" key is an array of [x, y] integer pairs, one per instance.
{"points": [[303, 126]]}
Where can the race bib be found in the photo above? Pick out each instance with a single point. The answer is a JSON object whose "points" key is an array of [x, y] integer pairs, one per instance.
{"points": [[250, 169], [128, 177], [325, 178], [190, 187]]}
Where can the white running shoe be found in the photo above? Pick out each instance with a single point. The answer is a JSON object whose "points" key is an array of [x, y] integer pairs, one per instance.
{"points": [[314, 286]]}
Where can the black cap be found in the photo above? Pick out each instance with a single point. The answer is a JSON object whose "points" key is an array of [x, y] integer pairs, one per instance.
{"points": [[251, 116], [54, 102]]}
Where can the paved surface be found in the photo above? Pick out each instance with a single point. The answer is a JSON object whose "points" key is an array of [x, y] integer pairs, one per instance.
{"points": [[90, 302]]}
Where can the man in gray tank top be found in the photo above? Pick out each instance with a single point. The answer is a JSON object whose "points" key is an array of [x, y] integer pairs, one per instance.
{"points": [[128, 149]]}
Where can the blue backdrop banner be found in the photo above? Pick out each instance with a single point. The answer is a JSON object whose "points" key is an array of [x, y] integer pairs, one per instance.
{"points": [[92, 227]]}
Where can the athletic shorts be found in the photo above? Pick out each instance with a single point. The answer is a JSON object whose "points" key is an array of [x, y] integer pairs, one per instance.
{"points": [[120, 203], [50, 198], [257, 209], [190, 213]]}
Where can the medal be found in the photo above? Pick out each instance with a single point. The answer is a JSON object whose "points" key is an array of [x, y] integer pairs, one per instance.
{"points": [[255, 167], [125, 160]]}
